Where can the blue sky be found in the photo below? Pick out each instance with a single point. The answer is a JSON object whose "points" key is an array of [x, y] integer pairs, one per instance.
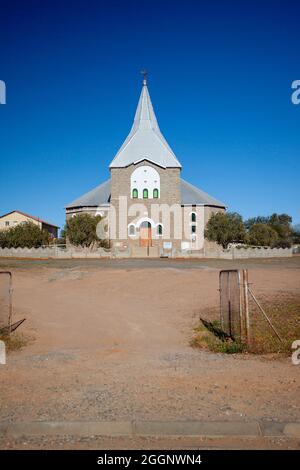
{"points": [[220, 75]]}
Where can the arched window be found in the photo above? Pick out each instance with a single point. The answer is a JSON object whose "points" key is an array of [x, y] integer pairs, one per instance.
{"points": [[131, 230], [159, 229], [145, 177], [145, 193], [145, 224], [155, 193], [193, 228], [135, 193], [193, 216]]}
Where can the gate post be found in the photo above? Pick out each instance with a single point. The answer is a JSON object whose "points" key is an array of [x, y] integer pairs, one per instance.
{"points": [[246, 305]]}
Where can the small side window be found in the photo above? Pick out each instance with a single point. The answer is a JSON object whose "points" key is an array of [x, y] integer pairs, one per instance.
{"points": [[159, 229], [145, 193], [135, 194], [193, 217], [131, 230], [155, 193]]}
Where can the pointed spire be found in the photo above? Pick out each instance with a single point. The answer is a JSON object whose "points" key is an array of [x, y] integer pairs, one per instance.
{"points": [[145, 141], [145, 75]]}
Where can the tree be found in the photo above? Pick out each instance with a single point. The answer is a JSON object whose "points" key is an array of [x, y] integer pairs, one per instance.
{"points": [[256, 220], [281, 223], [262, 235], [225, 228], [296, 234], [25, 235], [81, 230]]}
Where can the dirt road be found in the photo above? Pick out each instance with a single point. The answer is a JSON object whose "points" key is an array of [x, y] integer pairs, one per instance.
{"points": [[113, 343]]}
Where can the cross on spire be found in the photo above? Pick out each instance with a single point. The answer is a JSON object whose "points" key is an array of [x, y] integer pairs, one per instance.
{"points": [[145, 75]]}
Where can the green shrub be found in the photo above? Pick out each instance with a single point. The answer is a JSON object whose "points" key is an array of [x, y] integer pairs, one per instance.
{"points": [[81, 231], [25, 235], [262, 235], [279, 223], [225, 228]]}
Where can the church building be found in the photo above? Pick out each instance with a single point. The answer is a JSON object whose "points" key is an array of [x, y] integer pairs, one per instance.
{"points": [[148, 209]]}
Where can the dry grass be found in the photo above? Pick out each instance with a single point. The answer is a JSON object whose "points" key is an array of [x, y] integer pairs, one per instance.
{"points": [[283, 310], [15, 341]]}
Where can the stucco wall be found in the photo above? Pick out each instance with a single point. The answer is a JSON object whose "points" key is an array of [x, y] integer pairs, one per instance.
{"points": [[16, 217], [52, 252], [56, 252], [246, 253]]}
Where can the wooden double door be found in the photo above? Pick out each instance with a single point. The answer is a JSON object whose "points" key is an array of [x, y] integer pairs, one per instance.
{"points": [[145, 234]]}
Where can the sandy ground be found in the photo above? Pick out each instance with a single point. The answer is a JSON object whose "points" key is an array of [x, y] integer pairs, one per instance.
{"points": [[112, 343]]}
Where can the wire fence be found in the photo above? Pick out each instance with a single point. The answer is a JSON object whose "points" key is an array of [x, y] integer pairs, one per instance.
{"points": [[265, 319]]}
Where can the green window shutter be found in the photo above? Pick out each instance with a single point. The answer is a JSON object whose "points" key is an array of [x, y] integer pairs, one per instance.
{"points": [[145, 193], [155, 193], [135, 194]]}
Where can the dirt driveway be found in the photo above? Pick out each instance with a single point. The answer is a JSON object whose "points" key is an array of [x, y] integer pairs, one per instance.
{"points": [[112, 343]]}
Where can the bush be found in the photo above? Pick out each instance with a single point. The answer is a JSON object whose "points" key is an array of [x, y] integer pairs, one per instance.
{"points": [[25, 235], [280, 223], [263, 235], [225, 228], [81, 231]]}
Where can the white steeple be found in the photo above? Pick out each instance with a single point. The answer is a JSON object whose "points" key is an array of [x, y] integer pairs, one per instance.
{"points": [[145, 141]]}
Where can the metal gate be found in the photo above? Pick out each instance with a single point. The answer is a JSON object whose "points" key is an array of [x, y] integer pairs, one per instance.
{"points": [[230, 302]]}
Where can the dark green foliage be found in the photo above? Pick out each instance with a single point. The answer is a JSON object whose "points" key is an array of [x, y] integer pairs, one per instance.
{"points": [[81, 231], [225, 228], [256, 220], [296, 234], [281, 223], [25, 235], [262, 235]]}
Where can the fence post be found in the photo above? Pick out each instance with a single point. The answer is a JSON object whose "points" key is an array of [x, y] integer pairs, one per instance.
{"points": [[246, 305]]}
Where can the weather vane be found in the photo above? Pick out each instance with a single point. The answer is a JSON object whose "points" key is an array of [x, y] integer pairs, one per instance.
{"points": [[145, 74]]}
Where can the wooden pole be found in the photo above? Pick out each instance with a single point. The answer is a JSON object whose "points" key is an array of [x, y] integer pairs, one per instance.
{"points": [[242, 331], [246, 305], [10, 303]]}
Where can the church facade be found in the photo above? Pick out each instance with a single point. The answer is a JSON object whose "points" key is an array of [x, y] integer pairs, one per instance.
{"points": [[146, 207]]}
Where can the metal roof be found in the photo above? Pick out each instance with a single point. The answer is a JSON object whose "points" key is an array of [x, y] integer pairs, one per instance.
{"points": [[96, 197], [145, 140], [192, 195], [101, 195]]}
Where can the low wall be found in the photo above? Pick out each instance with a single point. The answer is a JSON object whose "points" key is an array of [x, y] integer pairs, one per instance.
{"points": [[246, 253], [69, 253], [53, 252]]}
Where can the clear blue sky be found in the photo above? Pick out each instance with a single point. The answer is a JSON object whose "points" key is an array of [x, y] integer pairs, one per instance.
{"points": [[220, 75]]}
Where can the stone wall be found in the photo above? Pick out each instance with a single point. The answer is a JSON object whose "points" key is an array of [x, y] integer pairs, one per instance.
{"points": [[53, 252], [127, 252], [246, 253]]}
